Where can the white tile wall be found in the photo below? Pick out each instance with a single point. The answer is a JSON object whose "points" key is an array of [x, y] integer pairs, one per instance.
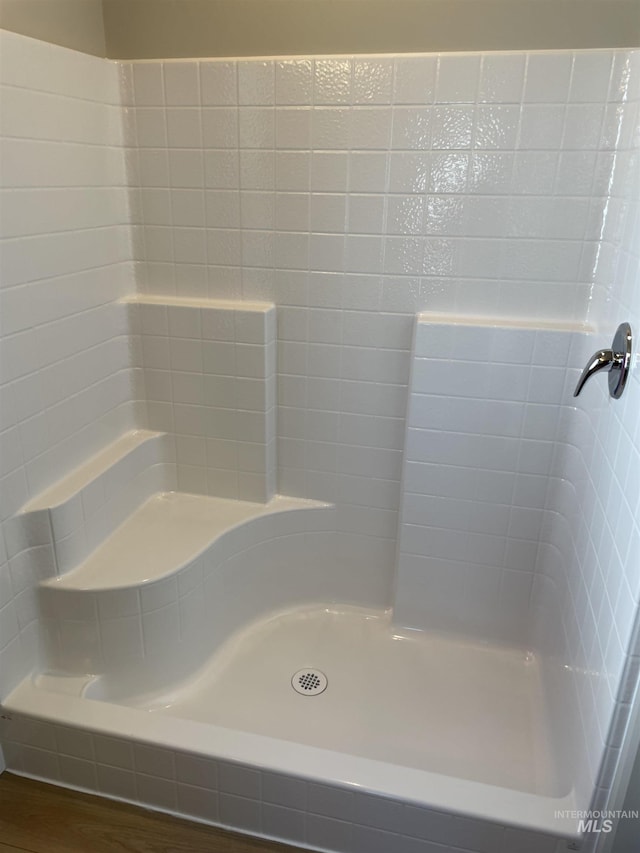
{"points": [[209, 377], [65, 376], [483, 413], [353, 192], [590, 568]]}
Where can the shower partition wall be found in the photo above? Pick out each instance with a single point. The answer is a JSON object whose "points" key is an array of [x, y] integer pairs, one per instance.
{"points": [[499, 193]]}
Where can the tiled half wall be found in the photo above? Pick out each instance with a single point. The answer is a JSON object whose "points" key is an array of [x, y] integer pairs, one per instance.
{"points": [[209, 378], [484, 406]]}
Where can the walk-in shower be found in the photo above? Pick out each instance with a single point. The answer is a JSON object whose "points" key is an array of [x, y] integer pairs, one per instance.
{"points": [[306, 533]]}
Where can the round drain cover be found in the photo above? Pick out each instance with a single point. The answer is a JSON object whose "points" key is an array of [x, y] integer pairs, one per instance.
{"points": [[309, 682]]}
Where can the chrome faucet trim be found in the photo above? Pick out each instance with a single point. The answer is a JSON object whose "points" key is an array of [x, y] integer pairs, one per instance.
{"points": [[616, 361]]}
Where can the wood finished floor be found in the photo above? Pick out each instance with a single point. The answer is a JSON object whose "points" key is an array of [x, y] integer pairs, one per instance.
{"points": [[39, 818]]}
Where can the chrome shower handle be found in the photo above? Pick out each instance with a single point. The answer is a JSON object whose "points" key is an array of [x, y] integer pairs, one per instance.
{"points": [[601, 360], [616, 360]]}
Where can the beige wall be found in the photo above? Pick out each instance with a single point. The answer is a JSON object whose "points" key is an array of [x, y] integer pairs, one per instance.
{"points": [[139, 29], [72, 23]]}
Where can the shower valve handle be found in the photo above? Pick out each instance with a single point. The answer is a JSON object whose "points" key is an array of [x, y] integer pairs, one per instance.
{"points": [[616, 360]]}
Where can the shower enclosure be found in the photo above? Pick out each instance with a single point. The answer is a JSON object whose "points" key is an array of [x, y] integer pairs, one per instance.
{"points": [[304, 532]]}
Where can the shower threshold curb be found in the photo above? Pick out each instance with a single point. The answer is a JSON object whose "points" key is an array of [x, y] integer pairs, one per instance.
{"points": [[348, 773]]}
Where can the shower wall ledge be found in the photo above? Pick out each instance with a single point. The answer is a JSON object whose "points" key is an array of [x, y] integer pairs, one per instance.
{"points": [[136, 443], [198, 302], [502, 322], [77, 513]]}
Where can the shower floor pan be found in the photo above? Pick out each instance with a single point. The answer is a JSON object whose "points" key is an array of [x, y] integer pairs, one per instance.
{"points": [[428, 702], [421, 718]]}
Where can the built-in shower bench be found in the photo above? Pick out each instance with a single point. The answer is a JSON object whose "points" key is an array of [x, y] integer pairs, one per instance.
{"points": [[166, 533], [144, 579], [162, 590]]}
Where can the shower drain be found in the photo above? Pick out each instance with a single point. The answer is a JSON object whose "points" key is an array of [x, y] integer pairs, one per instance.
{"points": [[309, 682]]}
